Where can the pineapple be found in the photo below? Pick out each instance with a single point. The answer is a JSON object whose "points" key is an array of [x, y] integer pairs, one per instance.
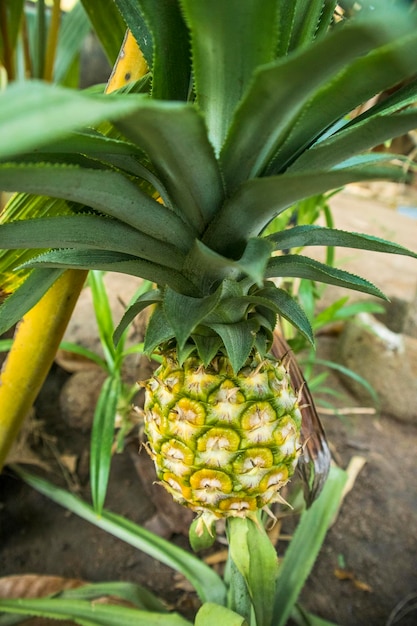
{"points": [[224, 443], [179, 189]]}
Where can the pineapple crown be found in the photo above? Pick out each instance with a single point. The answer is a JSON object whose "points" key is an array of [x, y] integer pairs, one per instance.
{"points": [[247, 115]]}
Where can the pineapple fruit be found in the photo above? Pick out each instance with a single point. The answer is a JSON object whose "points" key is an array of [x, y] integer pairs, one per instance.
{"points": [[224, 443], [200, 158]]}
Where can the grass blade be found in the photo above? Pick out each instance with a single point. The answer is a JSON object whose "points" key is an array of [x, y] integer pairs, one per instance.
{"points": [[91, 614], [305, 546], [102, 439], [206, 582]]}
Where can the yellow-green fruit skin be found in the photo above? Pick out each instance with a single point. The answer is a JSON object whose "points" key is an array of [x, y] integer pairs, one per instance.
{"points": [[222, 443]]}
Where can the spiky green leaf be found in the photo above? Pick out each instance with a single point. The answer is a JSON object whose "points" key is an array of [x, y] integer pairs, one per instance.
{"points": [[33, 113], [282, 92], [313, 235], [109, 261], [106, 191], [384, 67], [170, 61], [259, 200], [298, 266], [175, 139], [222, 69], [158, 331], [23, 299], [184, 314], [153, 296], [353, 139], [88, 232], [238, 339]]}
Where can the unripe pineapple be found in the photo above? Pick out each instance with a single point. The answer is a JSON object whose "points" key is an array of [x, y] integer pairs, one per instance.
{"points": [[223, 443]]}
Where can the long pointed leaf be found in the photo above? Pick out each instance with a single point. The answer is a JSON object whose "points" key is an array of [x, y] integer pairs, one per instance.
{"points": [[355, 139], [207, 583], [297, 266], [186, 165], [113, 262], [238, 340], [102, 439], [229, 40], [384, 67], [258, 201], [87, 232], [33, 113], [147, 299], [91, 614], [107, 24], [171, 67], [280, 91], [305, 546], [312, 235], [23, 299], [105, 191]]}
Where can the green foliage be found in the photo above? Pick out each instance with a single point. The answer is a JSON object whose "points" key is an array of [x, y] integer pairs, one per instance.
{"points": [[240, 129]]}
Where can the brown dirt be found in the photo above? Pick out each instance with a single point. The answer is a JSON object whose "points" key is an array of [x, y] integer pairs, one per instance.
{"points": [[368, 564]]}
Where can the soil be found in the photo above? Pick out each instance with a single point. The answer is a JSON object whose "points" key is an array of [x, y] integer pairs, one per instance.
{"points": [[367, 568]]}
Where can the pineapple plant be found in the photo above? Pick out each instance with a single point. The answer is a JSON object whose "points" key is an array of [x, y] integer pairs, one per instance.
{"points": [[246, 115]]}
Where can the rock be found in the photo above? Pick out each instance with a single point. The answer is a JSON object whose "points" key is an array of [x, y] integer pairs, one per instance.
{"points": [[78, 397], [387, 360]]}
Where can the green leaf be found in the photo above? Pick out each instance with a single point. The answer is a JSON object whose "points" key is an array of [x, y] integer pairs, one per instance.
{"points": [[23, 299], [207, 583], [297, 266], [108, 25], [33, 113], [211, 613], [257, 561], [305, 546], [304, 618], [75, 348], [282, 91], [106, 191], [258, 201], [384, 66], [184, 314], [238, 339], [112, 262], [207, 347], [158, 331], [153, 296], [228, 42], [84, 232], [280, 301], [186, 166], [349, 141], [134, 20], [102, 439], [75, 26], [306, 21], [312, 235], [136, 594], [170, 70], [104, 317], [90, 614]]}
